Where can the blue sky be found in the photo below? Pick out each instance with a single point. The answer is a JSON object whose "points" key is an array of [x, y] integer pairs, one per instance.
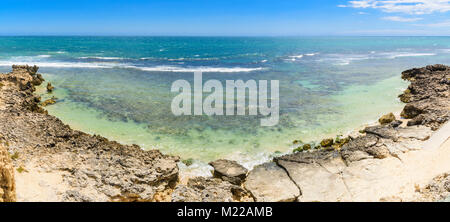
{"points": [[225, 17]]}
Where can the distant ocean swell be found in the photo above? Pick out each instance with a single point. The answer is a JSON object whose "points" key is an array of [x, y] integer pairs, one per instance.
{"points": [[102, 62]]}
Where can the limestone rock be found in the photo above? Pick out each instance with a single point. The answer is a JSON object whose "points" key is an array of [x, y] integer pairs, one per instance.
{"points": [[317, 183], [7, 183], [383, 131], [363, 147], [230, 171], [270, 183], [201, 189], [416, 132]]}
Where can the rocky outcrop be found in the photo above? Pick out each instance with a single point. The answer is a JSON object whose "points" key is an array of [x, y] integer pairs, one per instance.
{"points": [[7, 182], [369, 167], [427, 95], [80, 167], [229, 170]]}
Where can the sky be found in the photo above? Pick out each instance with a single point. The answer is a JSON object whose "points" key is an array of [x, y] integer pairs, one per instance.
{"points": [[225, 17]]}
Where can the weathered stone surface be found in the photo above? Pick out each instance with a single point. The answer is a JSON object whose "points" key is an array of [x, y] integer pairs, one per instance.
{"points": [[396, 123], [309, 157], [7, 183], [230, 171], [270, 183], [383, 131], [427, 95], [316, 174], [416, 132], [388, 118], [201, 189], [359, 148], [316, 182]]}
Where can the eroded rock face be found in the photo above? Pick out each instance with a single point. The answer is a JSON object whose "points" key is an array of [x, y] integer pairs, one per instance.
{"points": [[230, 171], [7, 183], [427, 95], [270, 183], [89, 168]]}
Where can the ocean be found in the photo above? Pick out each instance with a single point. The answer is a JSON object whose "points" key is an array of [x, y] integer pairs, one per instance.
{"points": [[120, 87]]}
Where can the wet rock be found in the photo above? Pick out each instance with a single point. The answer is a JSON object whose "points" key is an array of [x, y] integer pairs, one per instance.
{"points": [[230, 171], [326, 142], [48, 102], [406, 96], [270, 183], [7, 182], [306, 147], [388, 118], [50, 88], [36, 81]]}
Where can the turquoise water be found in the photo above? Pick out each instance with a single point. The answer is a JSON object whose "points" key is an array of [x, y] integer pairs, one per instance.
{"points": [[119, 87]]}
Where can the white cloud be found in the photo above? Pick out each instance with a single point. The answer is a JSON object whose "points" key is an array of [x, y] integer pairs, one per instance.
{"points": [[415, 7], [401, 19], [436, 25]]}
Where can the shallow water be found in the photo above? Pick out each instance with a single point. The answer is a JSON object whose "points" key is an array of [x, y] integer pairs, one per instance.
{"points": [[119, 87]]}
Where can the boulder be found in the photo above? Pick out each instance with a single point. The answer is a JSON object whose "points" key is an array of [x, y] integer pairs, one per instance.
{"points": [[230, 171], [307, 147], [270, 183], [326, 142], [388, 118], [50, 88], [412, 110]]}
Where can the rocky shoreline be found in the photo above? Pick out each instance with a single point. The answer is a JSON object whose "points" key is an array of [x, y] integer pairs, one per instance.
{"points": [[52, 162]]}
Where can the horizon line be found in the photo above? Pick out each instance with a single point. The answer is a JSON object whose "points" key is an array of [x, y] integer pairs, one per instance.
{"points": [[206, 36]]}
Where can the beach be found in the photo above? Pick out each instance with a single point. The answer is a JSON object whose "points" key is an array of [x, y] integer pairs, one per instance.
{"points": [[393, 161]]}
